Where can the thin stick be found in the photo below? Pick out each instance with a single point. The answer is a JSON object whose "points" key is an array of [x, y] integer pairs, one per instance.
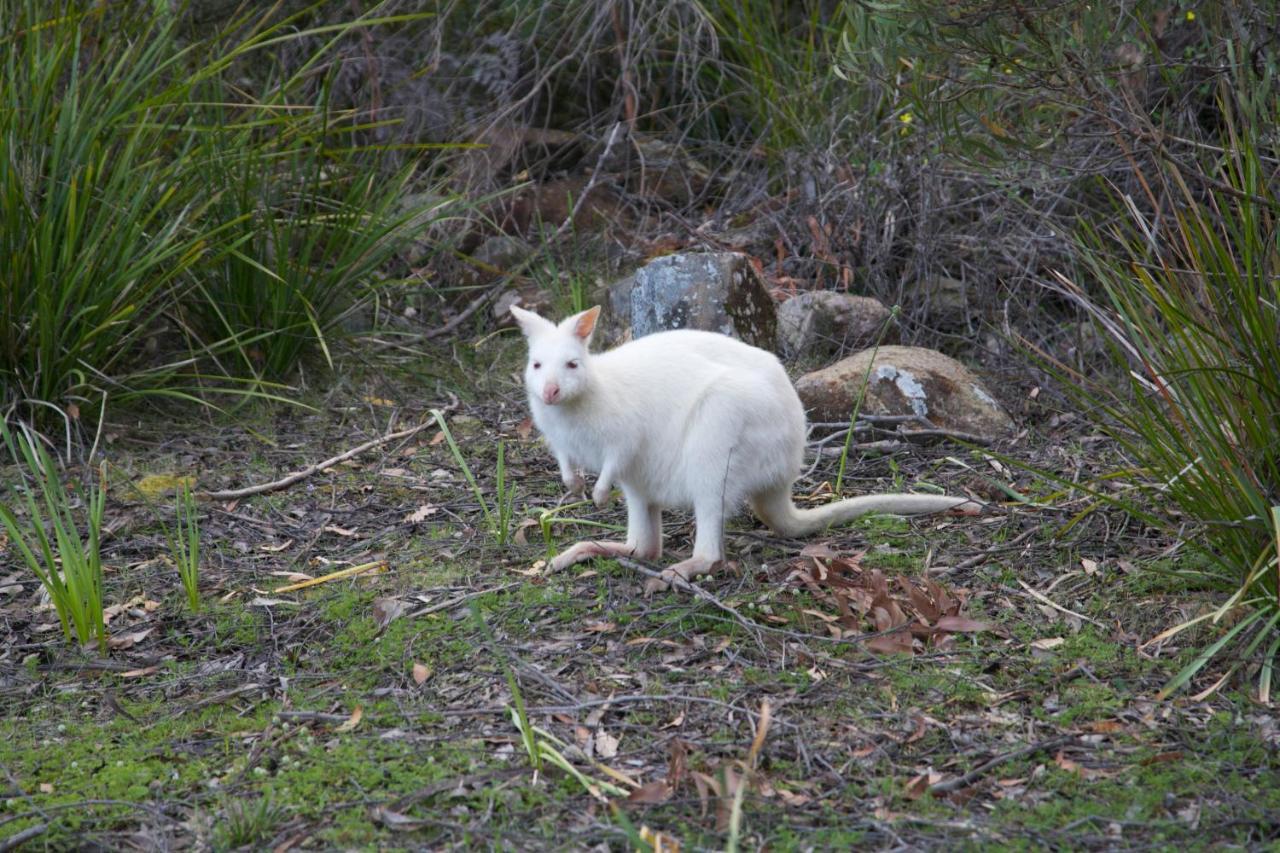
{"points": [[471, 308], [1039, 596], [606, 701], [591, 183], [299, 476], [697, 591], [334, 576], [969, 778], [456, 600]]}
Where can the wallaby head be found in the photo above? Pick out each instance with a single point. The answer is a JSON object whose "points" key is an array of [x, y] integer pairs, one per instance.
{"points": [[559, 366]]}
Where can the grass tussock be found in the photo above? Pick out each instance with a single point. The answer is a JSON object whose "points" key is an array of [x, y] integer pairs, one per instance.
{"points": [[177, 214], [1192, 309]]}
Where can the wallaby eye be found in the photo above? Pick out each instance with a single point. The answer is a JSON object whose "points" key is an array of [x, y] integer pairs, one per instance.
{"points": [[537, 365], [572, 365]]}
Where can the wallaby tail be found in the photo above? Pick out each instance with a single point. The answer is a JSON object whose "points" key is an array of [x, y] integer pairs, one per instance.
{"points": [[776, 509]]}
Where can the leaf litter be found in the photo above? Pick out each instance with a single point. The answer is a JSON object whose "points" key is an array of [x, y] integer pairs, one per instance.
{"points": [[881, 684]]}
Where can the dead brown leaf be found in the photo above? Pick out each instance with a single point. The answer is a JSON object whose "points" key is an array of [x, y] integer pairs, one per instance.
{"points": [[917, 786], [677, 764], [395, 821], [422, 513], [128, 641], [707, 787], [421, 672], [352, 721], [1105, 727], [386, 611], [651, 793], [961, 625]]}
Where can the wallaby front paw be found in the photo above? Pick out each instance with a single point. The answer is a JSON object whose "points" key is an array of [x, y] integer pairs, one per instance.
{"points": [[575, 485], [601, 496]]}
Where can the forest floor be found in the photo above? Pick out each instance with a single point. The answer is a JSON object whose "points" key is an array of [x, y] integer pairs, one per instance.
{"points": [[374, 710]]}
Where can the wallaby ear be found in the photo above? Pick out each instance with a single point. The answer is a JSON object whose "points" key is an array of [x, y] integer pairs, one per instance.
{"points": [[531, 323], [582, 325]]}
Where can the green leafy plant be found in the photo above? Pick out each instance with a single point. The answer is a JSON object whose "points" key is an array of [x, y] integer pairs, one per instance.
{"points": [[97, 229], [548, 518], [499, 517], [248, 822], [306, 224], [69, 564], [1193, 311], [184, 543], [165, 203]]}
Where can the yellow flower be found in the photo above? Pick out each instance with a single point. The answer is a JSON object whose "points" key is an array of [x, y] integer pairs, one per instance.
{"points": [[1191, 16], [906, 118]]}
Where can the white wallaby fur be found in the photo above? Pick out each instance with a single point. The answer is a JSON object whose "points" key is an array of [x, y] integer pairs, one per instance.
{"points": [[679, 419]]}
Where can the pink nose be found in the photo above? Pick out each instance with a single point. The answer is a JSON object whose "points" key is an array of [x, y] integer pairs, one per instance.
{"points": [[550, 393]]}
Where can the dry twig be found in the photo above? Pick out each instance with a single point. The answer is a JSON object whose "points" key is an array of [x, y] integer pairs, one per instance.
{"points": [[299, 476]]}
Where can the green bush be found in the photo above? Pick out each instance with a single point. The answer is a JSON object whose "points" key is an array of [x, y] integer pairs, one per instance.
{"points": [[1192, 306], [304, 228], [175, 213], [98, 228]]}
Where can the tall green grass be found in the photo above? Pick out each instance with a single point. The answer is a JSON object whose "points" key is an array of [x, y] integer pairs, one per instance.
{"points": [[67, 562], [97, 227], [1192, 305], [176, 214]]}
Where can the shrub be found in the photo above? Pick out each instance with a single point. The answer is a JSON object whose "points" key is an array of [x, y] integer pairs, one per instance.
{"points": [[97, 226], [157, 180], [1192, 305]]}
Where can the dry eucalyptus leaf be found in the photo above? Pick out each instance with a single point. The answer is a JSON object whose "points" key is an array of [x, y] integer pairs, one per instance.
{"points": [[422, 513], [421, 672], [128, 641], [386, 611], [651, 793], [352, 721]]}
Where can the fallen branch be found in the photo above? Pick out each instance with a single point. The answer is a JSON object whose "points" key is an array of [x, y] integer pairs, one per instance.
{"points": [[697, 591], [456, 600], [299, 476], [471, 308], [13, 842]]}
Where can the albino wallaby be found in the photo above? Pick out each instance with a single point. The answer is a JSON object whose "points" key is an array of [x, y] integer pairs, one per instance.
{"points": [[679, 419]]}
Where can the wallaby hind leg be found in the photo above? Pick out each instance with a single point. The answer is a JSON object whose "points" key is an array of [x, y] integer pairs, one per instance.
{"points": [[644, 536], [708, 547]]}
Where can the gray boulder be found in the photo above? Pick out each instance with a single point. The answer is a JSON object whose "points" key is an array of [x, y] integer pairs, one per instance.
{"points": [[712, 291]]}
